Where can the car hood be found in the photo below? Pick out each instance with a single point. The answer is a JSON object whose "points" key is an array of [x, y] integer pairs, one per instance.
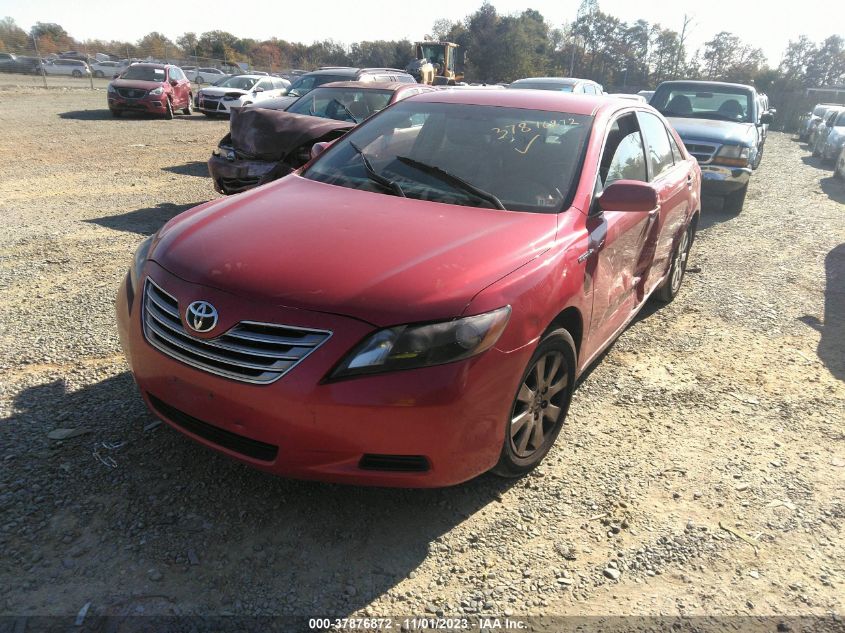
{"points": [[378, 258], [136, 83], [219, 92], [716, 131]]}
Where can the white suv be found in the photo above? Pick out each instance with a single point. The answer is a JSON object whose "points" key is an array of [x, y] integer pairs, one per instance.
{"points": [[72, 67]]}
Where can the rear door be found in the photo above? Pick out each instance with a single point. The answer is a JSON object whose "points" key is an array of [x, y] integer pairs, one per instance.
{"points": [[672, 175]]}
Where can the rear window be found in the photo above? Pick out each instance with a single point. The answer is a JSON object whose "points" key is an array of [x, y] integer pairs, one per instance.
{"points": [[721, 103]]}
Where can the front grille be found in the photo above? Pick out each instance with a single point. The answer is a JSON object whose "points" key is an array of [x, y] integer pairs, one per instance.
{"points": [[395, 463], [249, 352], [236, 185], [131, 93], [234, 442], [702, 152]]}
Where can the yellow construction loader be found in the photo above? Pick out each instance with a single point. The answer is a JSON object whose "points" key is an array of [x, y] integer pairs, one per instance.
{"points": [[437, 63]]}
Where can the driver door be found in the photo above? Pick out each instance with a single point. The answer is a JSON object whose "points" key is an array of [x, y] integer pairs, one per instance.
{"points": [[617, 238]]}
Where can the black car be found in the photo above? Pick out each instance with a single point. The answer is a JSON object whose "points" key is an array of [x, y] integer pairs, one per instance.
{"points": [[10, 63], [722, 125], [330, 74]]}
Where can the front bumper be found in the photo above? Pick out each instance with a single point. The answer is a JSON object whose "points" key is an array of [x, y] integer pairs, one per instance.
{"points": [[234, 176], [216, 105], [452, 416], [719, 180], [148, 104]]}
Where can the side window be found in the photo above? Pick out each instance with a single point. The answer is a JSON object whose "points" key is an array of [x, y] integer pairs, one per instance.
{"points": [[657, 139], [676, 151], [588, 89], [624, 155], [266, 84], [382, 78], [176, 74]]}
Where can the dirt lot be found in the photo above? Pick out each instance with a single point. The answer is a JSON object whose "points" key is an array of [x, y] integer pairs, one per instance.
{"points": [[703, 464]]}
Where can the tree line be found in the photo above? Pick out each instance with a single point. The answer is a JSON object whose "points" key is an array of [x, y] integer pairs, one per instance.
{"points": [[500, 48]]}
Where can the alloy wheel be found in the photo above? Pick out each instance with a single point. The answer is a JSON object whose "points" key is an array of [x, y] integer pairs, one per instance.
{"points": [[680, 263], [538, 404]]}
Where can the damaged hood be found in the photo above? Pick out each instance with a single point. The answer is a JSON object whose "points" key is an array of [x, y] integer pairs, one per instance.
{"points": [[272, 135]]}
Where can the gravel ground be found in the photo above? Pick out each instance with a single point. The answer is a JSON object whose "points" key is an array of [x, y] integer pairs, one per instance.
{"points": [[701, 471]]}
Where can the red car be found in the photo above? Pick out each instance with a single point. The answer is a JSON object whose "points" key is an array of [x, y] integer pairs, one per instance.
{"points": [[151, 89], [414, 305]]}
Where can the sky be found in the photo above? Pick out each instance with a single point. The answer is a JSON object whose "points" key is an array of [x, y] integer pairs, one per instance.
{"points": [[767, 25]]}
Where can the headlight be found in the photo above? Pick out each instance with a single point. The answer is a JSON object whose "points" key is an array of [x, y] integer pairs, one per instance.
{"points": [[734, 155], [413, 346], [157, 91], [139, 260], [111, 88]]}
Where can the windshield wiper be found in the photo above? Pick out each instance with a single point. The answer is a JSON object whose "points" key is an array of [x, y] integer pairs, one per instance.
{"points": [[375, 176], [453, 180], [348, 111]]}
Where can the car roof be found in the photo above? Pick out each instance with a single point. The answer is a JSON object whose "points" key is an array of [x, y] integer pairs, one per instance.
{"points": [[694, 82], [528, 99], [150, 65], [368, 85], [551, 80], [250, 76]]}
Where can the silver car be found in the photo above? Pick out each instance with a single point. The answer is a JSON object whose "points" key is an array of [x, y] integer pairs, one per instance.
{"points": [[70, 67], [830, 135]]}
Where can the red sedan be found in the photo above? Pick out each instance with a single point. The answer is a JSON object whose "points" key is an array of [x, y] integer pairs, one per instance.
{"points": [[413, 307]]}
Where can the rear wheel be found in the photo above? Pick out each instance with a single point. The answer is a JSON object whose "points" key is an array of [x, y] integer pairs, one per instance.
{"points": [[200, 80], [839, 170], [736, 200], [540, 405], [77, 73], [669, 289], [99, 74]]}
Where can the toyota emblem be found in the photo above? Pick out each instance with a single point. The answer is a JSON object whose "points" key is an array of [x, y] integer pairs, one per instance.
{"points": [[201, 316]]}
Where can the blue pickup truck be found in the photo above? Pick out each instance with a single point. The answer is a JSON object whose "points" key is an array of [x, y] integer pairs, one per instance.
{"points": [[722, 125]]}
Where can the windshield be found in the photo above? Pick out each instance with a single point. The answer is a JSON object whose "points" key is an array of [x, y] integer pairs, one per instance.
{"points": [[470, 155], [144, 73], [239, 83], [541, 85], [342, 104], [721, 103]]}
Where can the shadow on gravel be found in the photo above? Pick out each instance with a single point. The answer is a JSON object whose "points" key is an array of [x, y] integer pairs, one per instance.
{"points": [[713, 212], [164, 517], [193, 168], [831, 348], [144, 221], [834, 188], [87, 115]]}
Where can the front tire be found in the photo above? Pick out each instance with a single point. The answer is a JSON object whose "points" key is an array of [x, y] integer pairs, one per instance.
{"points": [[99, 74], [670, 288], [77, 73], [200, 80], [168, 110], [189, 109], [540, 405]]}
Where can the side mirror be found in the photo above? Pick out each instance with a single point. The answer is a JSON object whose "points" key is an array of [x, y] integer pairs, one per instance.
{"points": [[319, 148], [628, 195], [766, 118], [258, 89]]}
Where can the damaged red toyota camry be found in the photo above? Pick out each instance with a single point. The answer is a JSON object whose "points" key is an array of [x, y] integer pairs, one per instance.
{"points": [[414, 306]]}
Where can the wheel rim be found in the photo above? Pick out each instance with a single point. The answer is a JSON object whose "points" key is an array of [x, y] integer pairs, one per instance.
{"points": [[538, 404], [680, 262]]}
